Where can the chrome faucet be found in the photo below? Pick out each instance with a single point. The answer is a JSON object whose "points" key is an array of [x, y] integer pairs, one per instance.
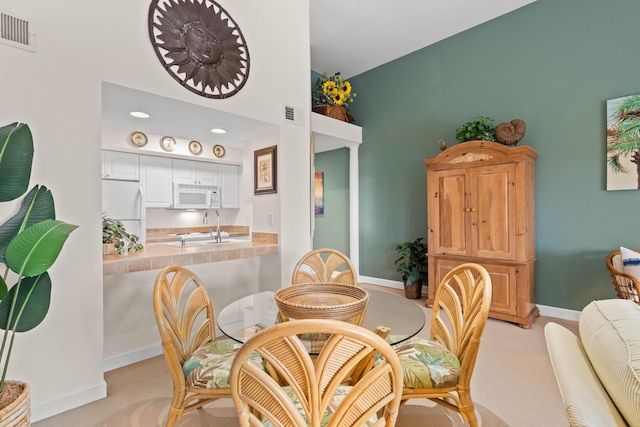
{"points": [[218, 237]]}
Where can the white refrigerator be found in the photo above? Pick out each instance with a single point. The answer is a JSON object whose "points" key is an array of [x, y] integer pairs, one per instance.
{"points": [[125, 201]]}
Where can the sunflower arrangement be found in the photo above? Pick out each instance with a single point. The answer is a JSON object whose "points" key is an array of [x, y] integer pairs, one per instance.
{"points": [[333, 90]]}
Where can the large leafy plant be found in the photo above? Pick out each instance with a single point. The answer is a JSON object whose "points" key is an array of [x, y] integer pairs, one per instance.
{"points": [[412, 262], [30, 241], [478, 128]]}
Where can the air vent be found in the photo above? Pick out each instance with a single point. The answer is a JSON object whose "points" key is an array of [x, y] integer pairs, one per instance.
{"points": [[293, 115], [17, 31]]}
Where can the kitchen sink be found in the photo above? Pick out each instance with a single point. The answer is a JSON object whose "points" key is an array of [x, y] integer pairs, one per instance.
{"points": [[208, 242]]}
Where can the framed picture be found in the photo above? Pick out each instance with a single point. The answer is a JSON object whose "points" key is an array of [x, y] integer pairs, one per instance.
{"points": [[623, 143], [265, 170], [318, 193]]}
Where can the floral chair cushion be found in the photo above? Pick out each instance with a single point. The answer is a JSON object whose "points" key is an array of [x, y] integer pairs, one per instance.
{"points": [[427, 364], [210, 365], [341, 391]]}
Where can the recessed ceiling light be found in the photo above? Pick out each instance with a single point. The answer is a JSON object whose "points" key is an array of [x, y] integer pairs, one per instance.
{"points": [[139, 114], [218, 130]]}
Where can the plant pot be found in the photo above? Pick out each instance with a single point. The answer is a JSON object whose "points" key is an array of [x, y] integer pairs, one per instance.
{"points": [[413, 291], [335, 111], [108, 248], [18, 412]]}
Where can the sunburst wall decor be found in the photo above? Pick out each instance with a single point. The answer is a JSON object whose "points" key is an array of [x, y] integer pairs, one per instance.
{"points": [[200, 46]]}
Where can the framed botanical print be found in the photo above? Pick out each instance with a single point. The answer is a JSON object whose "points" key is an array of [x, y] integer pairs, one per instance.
{"points": [[265, 170]]}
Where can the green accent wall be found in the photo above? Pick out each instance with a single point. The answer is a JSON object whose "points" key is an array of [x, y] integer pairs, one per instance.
{"points": [[553, 63], [332, 227]]}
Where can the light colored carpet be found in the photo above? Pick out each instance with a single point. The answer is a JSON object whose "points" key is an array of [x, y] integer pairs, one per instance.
{"points": [[153, 412], [513, 385]]}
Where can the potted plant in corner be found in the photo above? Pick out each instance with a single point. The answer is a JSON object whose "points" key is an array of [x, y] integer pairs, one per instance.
{"points": [[30, 242], [412, 263]]}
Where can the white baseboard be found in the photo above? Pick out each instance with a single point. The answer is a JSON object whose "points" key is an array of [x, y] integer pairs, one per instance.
{"points": [[545, 310], [70, 401], [115, 362], [381, 282]]}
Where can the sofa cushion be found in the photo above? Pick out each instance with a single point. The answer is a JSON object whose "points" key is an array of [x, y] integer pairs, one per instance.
{"points": [[630, 262], [610, 334], [585, 400]]}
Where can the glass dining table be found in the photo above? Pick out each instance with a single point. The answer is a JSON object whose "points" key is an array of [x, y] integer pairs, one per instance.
{"points": [[249, 315]]}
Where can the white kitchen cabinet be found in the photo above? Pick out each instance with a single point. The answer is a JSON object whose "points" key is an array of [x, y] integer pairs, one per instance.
{"points": [[230, 185], [193, 172], [156, 174], [120, 166]]}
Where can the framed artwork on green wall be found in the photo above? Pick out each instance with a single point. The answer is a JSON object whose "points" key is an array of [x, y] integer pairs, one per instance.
{"points": [[623, 143], [318, 193]]}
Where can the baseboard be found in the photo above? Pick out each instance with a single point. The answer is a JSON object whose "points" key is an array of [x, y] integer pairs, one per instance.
{"points": [[115, 362], [381, 282], [545, 310], [559, 313], [70, 401]]}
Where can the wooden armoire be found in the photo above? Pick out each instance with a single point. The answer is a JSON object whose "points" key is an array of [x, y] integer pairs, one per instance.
{"points": [[481, 209]]}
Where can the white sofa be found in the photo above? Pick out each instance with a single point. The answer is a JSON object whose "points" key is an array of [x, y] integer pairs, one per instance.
{"points": [[598, 373]]}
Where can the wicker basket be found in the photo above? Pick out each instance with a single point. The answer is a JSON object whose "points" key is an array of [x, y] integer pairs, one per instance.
{"points": [[323, 300], [18, 412], [335, 111]]}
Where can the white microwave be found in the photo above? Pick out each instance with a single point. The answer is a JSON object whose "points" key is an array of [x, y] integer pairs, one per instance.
{"points": [[195, 196]]}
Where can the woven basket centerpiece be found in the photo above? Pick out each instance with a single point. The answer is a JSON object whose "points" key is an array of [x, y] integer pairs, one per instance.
{"points": [[323, 301]]}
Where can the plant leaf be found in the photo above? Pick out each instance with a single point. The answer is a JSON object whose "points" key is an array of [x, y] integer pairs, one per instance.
{"points": [[36, 206], [3, 288], [32, 303], [16, 155], [34, 250]]}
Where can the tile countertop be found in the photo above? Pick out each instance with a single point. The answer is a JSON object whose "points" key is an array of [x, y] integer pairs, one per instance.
{"points": [[157, 255]]}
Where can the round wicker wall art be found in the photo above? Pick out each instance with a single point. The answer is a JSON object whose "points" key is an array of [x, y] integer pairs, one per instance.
{"points": [[200, 46]]}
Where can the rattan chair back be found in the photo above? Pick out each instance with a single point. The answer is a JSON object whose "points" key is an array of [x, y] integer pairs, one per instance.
{"points": [[324, 265], [312, 381], [626, 285], [460, 312], [185, 319]]}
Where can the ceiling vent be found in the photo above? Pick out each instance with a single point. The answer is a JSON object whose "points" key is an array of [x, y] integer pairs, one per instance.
{"points": [[293, 115], [17, 31]]}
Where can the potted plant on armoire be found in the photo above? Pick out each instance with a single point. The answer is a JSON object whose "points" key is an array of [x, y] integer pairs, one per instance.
{"points": [[30, 242], [412, 263]]}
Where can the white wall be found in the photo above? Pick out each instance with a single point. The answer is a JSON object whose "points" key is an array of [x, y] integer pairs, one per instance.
{"points": [[57, 92]]}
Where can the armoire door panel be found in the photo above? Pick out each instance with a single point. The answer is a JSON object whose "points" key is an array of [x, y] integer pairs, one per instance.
{"points": [[452, 227], [494, 219]]}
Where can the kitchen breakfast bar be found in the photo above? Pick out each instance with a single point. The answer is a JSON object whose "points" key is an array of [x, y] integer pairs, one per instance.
{"points": [[158, 255]]}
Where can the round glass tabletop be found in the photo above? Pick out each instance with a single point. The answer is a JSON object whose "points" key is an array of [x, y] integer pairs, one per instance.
{"points": [[246, 316]]}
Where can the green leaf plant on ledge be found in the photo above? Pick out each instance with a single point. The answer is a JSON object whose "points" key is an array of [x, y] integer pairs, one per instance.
{"points": [[30, 241]]}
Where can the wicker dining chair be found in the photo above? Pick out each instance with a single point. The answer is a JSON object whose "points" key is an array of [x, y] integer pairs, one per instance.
{"points": [[626, 285], [198, 363], [460, 311], [298, 389], [324, 265]]}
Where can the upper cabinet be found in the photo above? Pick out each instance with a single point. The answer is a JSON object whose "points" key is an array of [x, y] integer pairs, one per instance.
{"points": [[193, 172], [120, 166], [156, 174], [230, 184]]}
